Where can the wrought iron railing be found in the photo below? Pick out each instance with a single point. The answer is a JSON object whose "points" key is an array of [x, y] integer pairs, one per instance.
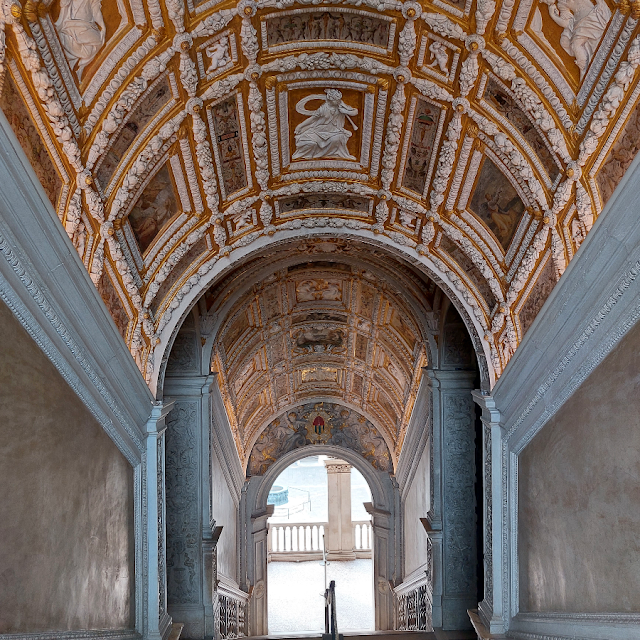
{"points": [[330, 615]]}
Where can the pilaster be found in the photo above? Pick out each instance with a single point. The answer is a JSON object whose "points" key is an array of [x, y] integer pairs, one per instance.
{"points": [[492, 608], [340, 542], [382, 525], [157, 622], [190, 536], [453, 500]]}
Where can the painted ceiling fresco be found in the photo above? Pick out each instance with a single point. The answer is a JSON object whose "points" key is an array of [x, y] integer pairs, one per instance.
{"points": [[321, 329], [319, 423], [480, 138]]}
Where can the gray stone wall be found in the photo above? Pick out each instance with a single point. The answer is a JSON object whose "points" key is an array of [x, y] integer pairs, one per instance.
{"points": [[579, 496], [184, 527], [66, 531]]}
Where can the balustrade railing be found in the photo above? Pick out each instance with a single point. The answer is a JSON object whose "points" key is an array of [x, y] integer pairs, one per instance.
{"points": [[296, 537], [363, 535], [289, 540]]}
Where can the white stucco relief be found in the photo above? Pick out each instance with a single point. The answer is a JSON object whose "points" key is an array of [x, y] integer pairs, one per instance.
{"points": [[82, 31], [323, 133], [440, 57], [218, 55], [324, 136], [583, 25]]}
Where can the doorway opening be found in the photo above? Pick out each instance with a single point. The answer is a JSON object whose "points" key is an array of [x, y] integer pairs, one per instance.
{"points": [[319, 531]]}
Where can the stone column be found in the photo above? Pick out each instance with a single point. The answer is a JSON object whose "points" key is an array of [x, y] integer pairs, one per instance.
{"points": [[190, 539], [157, 621], [492, 608], [453, 500], [339, 537]]}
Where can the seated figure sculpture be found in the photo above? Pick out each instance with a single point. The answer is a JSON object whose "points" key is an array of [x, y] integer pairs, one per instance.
{"points": [[323, 133]]}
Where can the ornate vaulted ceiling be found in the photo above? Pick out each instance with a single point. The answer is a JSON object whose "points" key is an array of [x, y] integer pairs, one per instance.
{"points": [[335, 325], [480, 138]]}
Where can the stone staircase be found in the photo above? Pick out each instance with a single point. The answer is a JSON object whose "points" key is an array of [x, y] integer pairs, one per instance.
{"points": [[437, 634]]}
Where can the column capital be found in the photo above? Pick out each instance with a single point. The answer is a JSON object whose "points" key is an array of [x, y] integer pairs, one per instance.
{"points": [[337, 466], [156, 421], [259, 516], [491, 415], [189, 385], [450, 378]]}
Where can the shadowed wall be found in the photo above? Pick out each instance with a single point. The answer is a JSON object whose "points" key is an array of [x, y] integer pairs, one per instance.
{"points": [[225, 512], [66, 531], [579, 496], [416, 506]]}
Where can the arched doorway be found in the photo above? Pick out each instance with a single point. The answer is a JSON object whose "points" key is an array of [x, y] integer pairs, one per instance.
{"points": [[319, 531], [384, 347], [385, 524]]}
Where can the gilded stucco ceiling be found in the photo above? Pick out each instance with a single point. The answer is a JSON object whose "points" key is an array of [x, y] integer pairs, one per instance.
{"points": [[480, 138], [319, 329], [326, 320]]}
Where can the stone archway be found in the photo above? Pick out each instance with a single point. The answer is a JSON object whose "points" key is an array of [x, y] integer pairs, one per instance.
{"points": [[386, 524], [216, 272]]}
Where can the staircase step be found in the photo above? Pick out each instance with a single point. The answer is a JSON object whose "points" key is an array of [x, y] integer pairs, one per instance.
{"points": [[176, 630], [455, 635], [356, 635]]}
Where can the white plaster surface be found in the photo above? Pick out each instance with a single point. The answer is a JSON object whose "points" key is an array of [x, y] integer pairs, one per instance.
{"points": [[296, 602], [416, 506], [225, 514]]}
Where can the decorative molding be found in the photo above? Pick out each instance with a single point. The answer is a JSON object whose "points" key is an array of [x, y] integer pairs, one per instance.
{"points": [[101, 634]]}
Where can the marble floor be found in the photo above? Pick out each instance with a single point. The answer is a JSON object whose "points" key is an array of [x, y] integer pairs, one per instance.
{"points": [[296, 602]]}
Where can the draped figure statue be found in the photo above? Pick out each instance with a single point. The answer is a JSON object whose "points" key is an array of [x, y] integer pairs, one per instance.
{"points": [[81, 30], [323, 133], [583, 25]]}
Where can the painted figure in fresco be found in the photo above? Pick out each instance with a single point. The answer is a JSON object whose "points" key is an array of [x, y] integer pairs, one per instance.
{"points": [[620, 158], [334, 27], [82, 31], [504, 218], [583, 24], [317, 27], [315, 338], [155, 207], [153, 218], [323, 134]]}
